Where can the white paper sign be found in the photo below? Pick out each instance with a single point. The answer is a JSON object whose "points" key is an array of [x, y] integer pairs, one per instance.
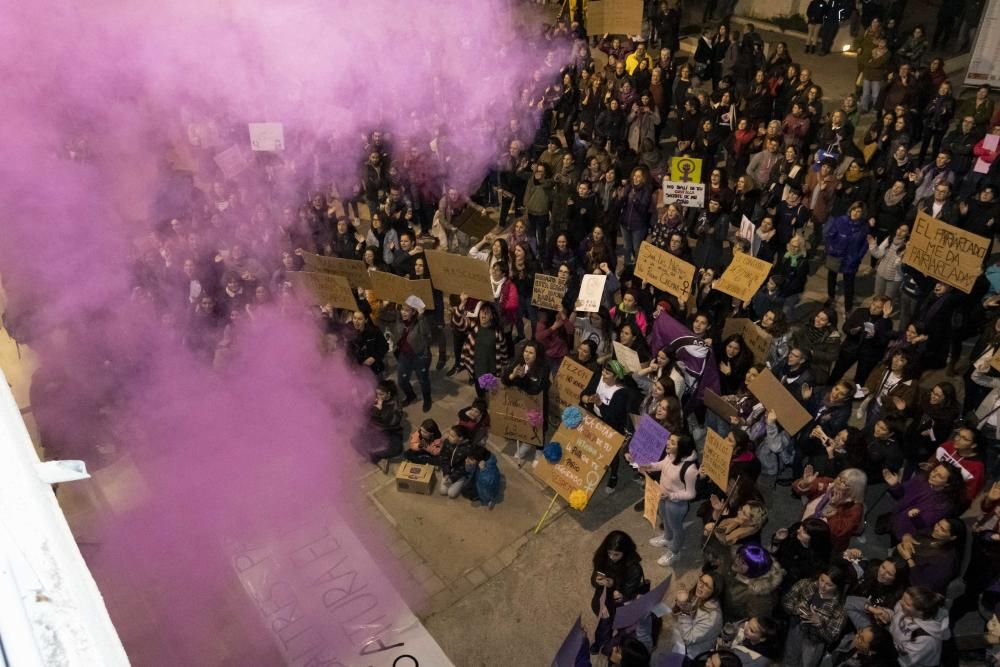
{"points": [[982, 166], [628, 357], [267, 136], [746, 230], [591, 293], [684, 194], [991, 141]]}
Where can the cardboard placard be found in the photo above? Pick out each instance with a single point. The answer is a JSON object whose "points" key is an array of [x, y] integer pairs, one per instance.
{"points": [[628, 357], [648, 442], [458, 274], [716, 457], [614, 17], [509, 415], [769, 391], [651, 501], [664, 271], [571, 380], [323, 288], [474, 221], [757, 340], [952, 255], [232, 161], [591, 293], [548, 292], [685, 169], [267, 136], [352, 269], [719, 405], [691, 195], [587, 451], [744, 276], [395, 289]]}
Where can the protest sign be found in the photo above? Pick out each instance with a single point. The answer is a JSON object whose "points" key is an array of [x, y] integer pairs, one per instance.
{"points": [[352, 269], [661, 269], [648, 442], [685, 169], [746, 230], [939, 250], [757, 340], [394, 289], [684, 194], [323, 288], [628, 615], [614, 17], [587, 450], [716, 457], [458, 274], [232, 161], [995, 359], [744, 276], [571, 380], [720, 406], [509, 413], [575, 643], [770, 392], [548, 292], [473, 221], [267, 136], [591, 293], [628, 357], [651, 501]]}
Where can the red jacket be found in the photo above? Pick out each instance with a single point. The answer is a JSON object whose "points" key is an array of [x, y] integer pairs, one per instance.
{"points": [[973, 470]]}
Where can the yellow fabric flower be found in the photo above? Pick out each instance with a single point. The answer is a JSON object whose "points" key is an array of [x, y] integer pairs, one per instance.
{"points": [[578, 499]]}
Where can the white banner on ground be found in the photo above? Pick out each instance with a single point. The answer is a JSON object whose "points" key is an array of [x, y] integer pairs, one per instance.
{"points": [[984, 66]]}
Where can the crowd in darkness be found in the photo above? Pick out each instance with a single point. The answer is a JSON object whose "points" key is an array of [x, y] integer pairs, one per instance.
{"points": [[896, 373]]}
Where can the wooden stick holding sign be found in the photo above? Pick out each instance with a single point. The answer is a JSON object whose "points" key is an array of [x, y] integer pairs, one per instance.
{"points": [[770, 392], [744, 276]]}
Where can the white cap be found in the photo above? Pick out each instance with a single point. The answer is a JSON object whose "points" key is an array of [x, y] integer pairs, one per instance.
{"points": [[416, 303]]}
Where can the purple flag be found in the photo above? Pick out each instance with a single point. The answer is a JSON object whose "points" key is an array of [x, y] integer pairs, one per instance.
{"points": [[572, 646], [699, 366], [631, 613], [648, 442]]}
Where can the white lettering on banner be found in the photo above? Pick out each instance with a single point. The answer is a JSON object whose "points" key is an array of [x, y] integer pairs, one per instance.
{"points": [[324, 601], [684, 194]]}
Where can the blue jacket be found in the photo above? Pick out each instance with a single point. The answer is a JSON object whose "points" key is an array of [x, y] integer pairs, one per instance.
{"points": [[488, 481], [847, 240]]}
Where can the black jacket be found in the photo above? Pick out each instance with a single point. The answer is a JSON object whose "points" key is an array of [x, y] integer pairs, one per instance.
{"points": [[370, 342]]}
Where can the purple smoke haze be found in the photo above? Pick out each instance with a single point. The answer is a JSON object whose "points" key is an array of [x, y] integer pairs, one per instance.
{"points": [[104, 103]]}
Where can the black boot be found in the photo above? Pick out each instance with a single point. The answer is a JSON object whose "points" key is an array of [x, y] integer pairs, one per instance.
{"points": [[427, 403], [409, 398], [442, 360]]}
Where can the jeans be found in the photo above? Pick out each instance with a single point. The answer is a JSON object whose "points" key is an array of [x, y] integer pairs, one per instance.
{"points": [[419, 364], [869, 94], [633, 239], [889, 288], [672, 512], [854, 607], [446, 487], [788, 308], [801, 651]]}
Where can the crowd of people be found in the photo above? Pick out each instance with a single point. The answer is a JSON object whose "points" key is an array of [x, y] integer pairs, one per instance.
{"points": [[827, 189]]}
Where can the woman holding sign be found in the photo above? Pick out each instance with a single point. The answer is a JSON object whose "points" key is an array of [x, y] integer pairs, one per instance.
{"points": [[530, 373], [678, 477], [608, 398]]}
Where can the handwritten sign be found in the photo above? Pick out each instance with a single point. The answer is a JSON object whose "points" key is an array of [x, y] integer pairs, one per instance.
{"points": [[231, 162], [457, 274], [587, 452], [769, 391], [628, 357], [684, 194], [571, 380], [685, 169], [509, 415], [651, 501], [548, 292], [716, 458], [952, 255], [323, 288], [744, 276], [352, 269], [267, 136], [395, 289], [719, 405], [648, 442], [756, 339], [661, 269], [591, 293]]}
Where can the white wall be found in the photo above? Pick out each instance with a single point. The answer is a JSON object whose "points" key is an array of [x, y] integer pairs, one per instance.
{"points": [[51, 612]]}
